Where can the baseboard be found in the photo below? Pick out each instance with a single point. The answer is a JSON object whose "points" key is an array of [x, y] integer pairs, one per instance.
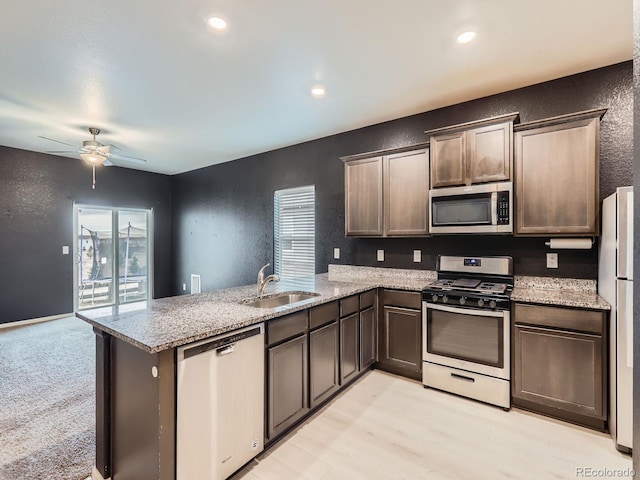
{"points": [[21, 323]]}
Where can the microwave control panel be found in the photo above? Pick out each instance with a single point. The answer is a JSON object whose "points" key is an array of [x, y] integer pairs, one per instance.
{"points": [[503, 208]]}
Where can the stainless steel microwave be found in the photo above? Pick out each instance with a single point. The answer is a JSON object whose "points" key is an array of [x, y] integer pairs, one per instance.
{"points": [[485, 208]]}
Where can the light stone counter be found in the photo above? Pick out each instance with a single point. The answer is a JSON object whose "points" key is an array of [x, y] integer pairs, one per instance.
{"points": [[563, 292], [165, 323]]}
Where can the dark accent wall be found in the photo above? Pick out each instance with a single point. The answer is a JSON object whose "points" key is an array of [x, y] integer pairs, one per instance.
{"points": [[636, 234], [37, 192], [223, 214]]}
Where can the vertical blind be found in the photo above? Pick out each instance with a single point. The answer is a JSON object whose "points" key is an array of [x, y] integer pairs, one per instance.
{"points": [[294, 231]]}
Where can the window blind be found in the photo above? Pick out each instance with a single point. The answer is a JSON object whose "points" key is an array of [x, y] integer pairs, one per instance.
{"points": [[294, 232]]}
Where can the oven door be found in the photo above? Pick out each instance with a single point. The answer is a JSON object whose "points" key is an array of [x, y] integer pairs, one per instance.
{"points": [[469, 339]]}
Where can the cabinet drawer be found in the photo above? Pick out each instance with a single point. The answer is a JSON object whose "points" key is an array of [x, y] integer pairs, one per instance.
{"points": [[367, 299], [323, 314], [348, 306], [287, 327], [399, 298], [557, 317]]}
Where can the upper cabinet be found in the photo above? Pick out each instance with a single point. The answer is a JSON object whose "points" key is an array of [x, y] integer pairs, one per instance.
{"points": [[386, 195], [475, 152], [556, 175]]}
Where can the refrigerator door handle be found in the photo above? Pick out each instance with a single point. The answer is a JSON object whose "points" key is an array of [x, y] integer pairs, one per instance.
{"points": [[628, 319], [629, 239]]}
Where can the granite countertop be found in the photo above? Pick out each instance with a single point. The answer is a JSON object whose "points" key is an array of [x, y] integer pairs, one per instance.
{"points": [[563, 292], [157, 325]]}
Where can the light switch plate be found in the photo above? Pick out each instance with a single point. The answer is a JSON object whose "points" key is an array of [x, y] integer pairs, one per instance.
{"points": [[417, 256], [65, 249], [552, 260], [381, 255], [336, 253]]}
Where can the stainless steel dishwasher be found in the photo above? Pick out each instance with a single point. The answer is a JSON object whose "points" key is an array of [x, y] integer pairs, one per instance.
{"points": [[220, 404]]}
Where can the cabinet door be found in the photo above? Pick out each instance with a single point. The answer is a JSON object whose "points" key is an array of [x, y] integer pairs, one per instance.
{"points": [[323, 362], [288, 395], [368, 337], [363, 197], [448, 160], [488, 151], [560, 369], [349, 365], [556, 179], [400, 343], [406, 185]]}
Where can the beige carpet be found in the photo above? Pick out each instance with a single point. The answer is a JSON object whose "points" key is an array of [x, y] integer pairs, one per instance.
{"points": [[47, 401]]}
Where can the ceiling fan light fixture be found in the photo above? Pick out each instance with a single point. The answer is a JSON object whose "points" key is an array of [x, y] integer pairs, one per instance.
{"points": [[93, 158]]}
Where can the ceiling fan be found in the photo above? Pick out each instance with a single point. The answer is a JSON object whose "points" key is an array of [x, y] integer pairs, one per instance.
{"points": [[95, 153]]}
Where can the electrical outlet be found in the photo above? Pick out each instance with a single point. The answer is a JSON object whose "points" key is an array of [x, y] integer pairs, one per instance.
{"points": [[336, 253], [552, 260], [184, 286], [381, 255], [417, 256], [65, 249]]}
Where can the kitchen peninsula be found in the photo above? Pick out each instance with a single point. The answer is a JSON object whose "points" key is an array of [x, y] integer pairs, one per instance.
{"points": [[137, 345]]}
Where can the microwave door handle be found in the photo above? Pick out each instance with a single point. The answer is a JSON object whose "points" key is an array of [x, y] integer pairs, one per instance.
{"points": [[494, 208]]}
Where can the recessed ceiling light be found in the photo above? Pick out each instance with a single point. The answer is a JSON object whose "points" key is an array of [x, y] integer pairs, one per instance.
{"points": [[466, 37], [318, 91], [217, 23]]}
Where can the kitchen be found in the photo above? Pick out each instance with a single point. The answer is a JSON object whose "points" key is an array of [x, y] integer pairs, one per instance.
{"points": [[241, 227]]}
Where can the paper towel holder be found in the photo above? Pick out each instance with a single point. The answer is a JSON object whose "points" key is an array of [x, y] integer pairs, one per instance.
{"points": [[570, 243]]}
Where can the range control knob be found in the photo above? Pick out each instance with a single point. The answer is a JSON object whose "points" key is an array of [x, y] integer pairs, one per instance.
{"points": [[492, 304], [480, 302], [462, 300], [434, 297], [445, 299]]}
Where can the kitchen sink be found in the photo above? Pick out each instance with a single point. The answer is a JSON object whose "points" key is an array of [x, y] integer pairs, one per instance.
{"points": [[280, 299]]}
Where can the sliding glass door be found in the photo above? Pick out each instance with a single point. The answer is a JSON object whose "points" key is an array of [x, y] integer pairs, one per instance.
{"points": [[113, 256]]}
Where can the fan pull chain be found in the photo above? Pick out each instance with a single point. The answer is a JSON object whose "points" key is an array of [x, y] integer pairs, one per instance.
{"points": [[94, 177]]}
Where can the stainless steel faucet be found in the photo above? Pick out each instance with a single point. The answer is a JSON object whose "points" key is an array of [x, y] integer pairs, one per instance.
{"points": [[262, 282]]}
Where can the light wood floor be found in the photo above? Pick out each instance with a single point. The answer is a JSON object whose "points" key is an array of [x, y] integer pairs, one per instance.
{"points": [[387, 427]]}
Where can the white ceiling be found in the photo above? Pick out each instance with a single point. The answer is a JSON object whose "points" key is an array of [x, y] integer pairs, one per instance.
{"points": [[163, 86]]}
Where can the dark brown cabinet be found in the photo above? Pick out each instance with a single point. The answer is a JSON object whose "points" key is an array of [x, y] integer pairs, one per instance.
{"points": [[557, 175], [349, 365], [363, 197], [368, 330], [386, 194], [475, 152], [400, 336], [559, 363], [323, 352], [287, 372]]}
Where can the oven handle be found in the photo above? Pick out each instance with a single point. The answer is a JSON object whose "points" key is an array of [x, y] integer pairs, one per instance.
{"points": [[465, 311]]}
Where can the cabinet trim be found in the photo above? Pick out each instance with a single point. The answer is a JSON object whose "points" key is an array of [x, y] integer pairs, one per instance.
{"points": [[509, 117], [571, 117], [380, 153]]}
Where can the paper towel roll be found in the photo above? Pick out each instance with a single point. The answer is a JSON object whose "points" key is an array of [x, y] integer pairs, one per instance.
{"points": [[573, 243]]}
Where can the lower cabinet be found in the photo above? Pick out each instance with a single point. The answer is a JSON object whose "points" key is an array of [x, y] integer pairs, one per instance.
{"points": [[559, 363], [287, 372], [323, 362], [349, 364], [400, 336], [368, 329]]}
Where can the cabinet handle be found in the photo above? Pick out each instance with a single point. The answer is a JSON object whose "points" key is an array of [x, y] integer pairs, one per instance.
{"points": [[226, 350], [462, 377]]}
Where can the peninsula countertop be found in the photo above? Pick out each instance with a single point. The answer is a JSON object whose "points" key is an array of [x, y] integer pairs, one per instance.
{"points": [[157, 325]]}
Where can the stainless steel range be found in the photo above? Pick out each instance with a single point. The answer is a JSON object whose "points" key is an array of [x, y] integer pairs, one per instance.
{"points": [[466, 328]]}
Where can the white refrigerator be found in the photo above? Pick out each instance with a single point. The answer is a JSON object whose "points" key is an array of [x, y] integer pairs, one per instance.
{"points": [[615, 285]]}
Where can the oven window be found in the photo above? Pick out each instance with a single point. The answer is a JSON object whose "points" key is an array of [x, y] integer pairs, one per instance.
{"points": [[464, 210], [473, 338]]}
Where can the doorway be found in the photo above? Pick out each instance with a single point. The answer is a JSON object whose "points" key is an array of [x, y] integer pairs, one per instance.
{"points": [[113, 253]]}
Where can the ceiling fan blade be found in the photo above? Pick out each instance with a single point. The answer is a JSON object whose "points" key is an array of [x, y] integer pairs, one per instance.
{"points": [[108, 163], [57, 141], [61, 151], [125, 158], [113, 146]]}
